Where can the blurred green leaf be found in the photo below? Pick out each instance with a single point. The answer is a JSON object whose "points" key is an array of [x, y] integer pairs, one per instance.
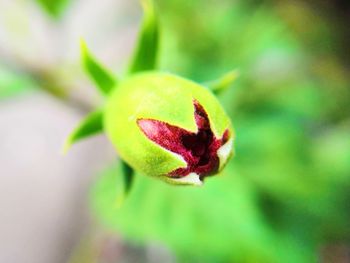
{"points": [[120, 179], [145, 54], [89, 126], [54, 7], [219, 222], [331, 153], [104, 80], [286, 193], [12, 83]]}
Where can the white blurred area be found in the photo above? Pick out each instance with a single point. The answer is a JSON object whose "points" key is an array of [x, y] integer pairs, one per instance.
{"points": [[31, 35], [43, 194]]}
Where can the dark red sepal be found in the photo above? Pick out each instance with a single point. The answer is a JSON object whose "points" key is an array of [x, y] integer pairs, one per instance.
{"points": [[199, 149]]}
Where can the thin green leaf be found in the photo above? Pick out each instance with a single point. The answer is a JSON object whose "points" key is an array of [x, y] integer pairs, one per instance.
{"points": [[222, 83], [104, 80], [145, 54], [128, 174], [89, 126]]}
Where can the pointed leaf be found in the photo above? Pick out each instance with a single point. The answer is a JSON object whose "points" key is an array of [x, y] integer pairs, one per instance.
{"points": [[124, 178], [222, 83], [54, 7], [128, 174], [145, 54], [89, 126], [104, 80]]}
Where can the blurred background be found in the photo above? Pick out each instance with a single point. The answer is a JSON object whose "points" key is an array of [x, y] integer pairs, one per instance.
{"points": [[285, 197]]}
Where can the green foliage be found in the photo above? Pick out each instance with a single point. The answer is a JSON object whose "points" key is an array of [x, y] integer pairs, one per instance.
{"points": [[90, 125], [104, 80], [11, 84], [145, 55], [286, 192], [219, 222], [123, 179], [54, 7]]}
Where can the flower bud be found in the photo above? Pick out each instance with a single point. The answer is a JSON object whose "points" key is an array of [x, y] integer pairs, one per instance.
{"points": [[166, 126]]}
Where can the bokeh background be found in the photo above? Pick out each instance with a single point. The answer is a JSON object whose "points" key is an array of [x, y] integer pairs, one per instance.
{"points": [[285, 197]]}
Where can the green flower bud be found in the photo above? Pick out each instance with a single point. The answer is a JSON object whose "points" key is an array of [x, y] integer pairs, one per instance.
{"points": [[161, 125], [168, 127]]}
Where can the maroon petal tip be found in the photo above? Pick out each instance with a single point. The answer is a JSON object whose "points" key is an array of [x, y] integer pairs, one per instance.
{"points": [[198, 149]]}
